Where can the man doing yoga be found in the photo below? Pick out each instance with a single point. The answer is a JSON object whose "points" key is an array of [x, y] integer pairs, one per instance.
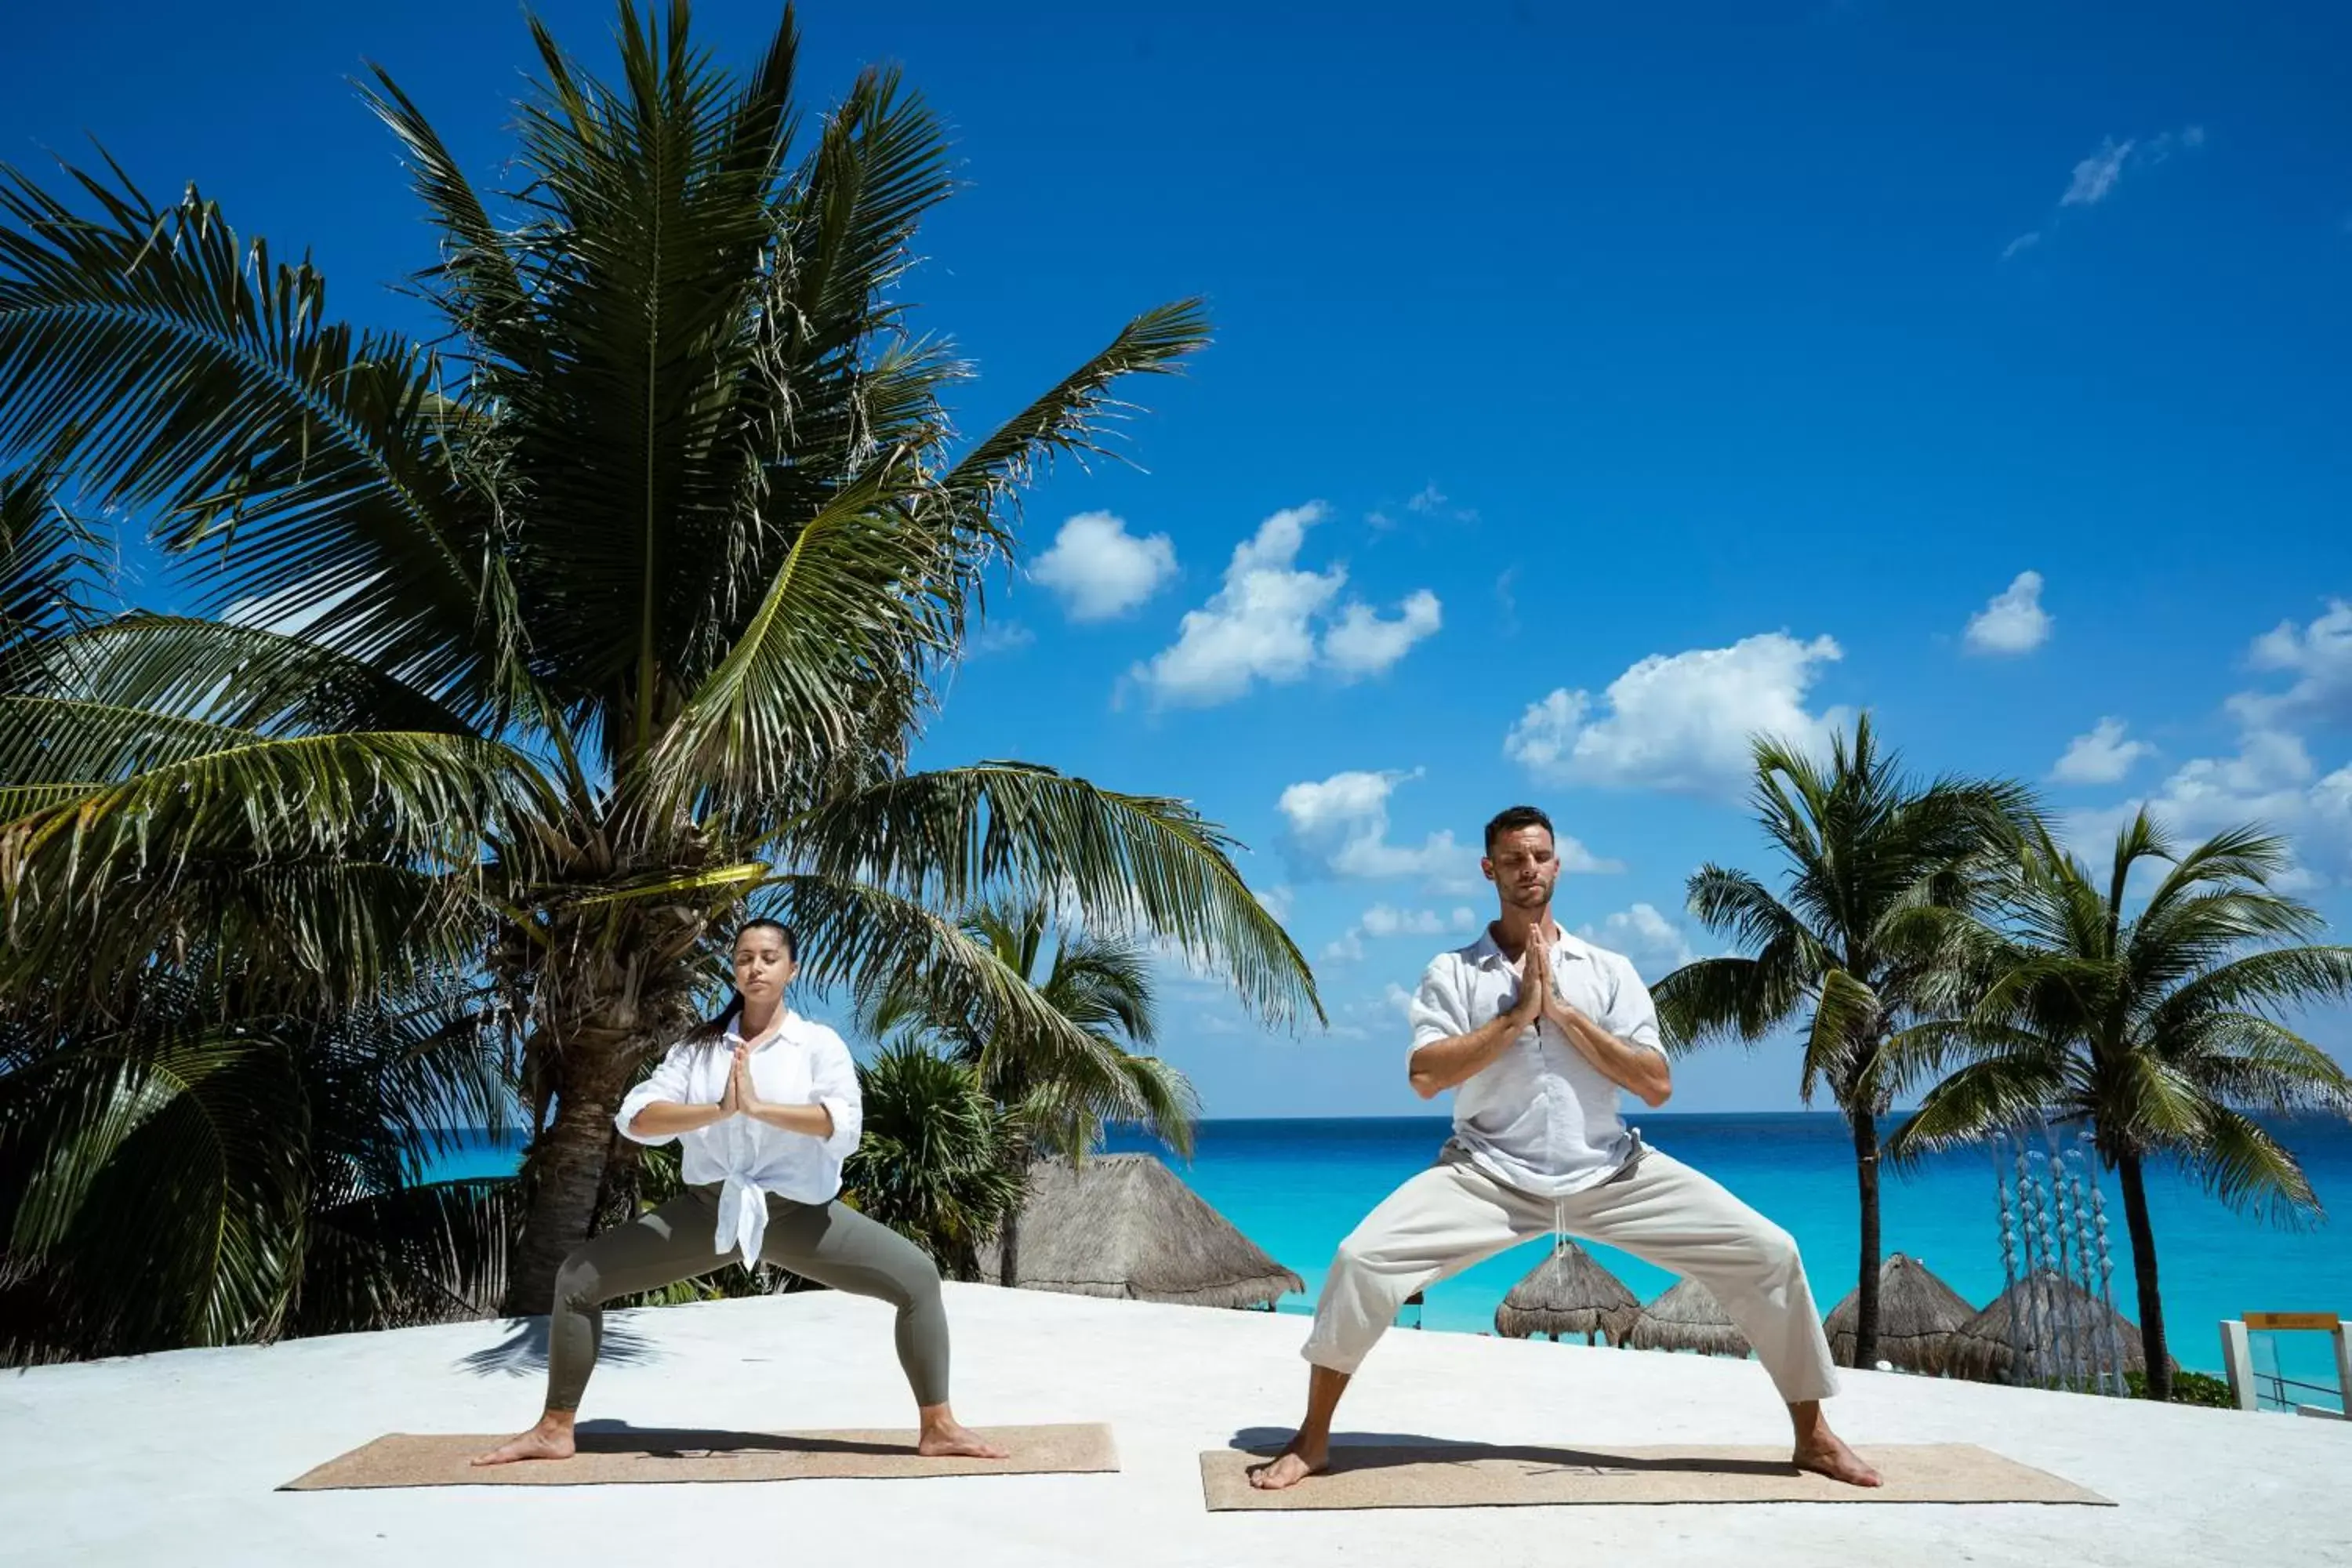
{"points": [[1536, 1032]]}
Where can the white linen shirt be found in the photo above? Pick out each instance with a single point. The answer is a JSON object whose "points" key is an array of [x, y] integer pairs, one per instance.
{"points": [[1540, 1116], [804, 1063]]}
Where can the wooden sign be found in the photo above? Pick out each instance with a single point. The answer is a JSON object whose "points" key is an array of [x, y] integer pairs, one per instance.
{"points": [[2258, 1321]]}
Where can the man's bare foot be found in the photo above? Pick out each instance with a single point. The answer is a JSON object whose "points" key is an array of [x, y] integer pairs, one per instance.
{"points": [[946, 1437], [1826, 1454], [1302, 1458], [551, 1439]]}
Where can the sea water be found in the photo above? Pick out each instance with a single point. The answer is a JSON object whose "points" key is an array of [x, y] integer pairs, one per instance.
{"points": [[1297, 1186]]}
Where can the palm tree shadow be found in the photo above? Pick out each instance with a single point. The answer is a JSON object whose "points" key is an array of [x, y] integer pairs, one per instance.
{"points": [[1385, 1450], [524, 1352], [702, 1443]]}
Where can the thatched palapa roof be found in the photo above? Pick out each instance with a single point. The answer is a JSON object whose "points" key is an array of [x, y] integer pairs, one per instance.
{"points": [[1918, 1315], [1686, 1318], [1567, 1293], [1127, 1226], [2035, 1309]]}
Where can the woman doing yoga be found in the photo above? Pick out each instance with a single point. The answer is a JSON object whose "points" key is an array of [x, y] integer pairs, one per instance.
{"points": [[765, 1104]]}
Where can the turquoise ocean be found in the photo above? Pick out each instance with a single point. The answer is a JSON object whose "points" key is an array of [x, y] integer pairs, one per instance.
{"points": [[1297, 1186]]}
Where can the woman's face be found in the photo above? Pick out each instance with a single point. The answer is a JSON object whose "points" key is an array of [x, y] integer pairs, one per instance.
{"points": [[763, 966]]}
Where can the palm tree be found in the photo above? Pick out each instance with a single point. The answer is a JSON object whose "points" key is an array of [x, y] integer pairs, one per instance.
{"points": [[2159, 1031], [1873, 860], [1096, 982], [552, 642], [197, 1173], [931, 1165]]}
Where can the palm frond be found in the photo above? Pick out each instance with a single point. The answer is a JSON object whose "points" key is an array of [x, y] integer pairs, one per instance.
{"points": [[189, 373], [951, 837]]}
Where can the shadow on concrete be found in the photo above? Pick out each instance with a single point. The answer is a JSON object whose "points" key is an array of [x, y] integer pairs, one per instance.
{"points": [[692, 1443], [1382, 1450], [524, 1352]]}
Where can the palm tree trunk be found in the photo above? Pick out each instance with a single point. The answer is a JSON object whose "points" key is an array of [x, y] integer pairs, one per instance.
{"points": [[1866, 1169], [1008, 1249], [1008, 1233], [566, 1172], [2151, 1306]]}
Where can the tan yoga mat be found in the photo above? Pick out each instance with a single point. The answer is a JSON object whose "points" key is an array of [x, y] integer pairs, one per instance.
{"points": [[1473, 1475], [631, 1457]]}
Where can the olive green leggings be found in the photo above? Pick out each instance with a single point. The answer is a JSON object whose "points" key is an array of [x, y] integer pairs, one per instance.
{"points": [[829, 1243]]}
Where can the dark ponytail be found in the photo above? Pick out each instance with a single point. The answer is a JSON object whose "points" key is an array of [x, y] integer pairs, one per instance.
{"points": [[716, 1028]]}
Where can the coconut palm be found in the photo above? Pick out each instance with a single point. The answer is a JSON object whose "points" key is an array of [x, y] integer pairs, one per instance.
{"points": [[543, 646], [1873, 862], [931, 1165], [1054, 1100], [48, 568], [178, 1178], [2160, 1030]]}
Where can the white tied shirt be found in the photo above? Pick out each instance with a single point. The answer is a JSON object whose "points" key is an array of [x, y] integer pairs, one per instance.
{"points": [[1540, 1116], [804, 1063]]}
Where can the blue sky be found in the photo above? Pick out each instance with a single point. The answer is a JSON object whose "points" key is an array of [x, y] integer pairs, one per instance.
{"points": [[1592, 386]]}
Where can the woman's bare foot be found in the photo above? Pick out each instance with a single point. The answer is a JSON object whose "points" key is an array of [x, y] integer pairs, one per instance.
{"points": [[943, 1437], [551, 1439], [1304, 1456], [1827, 1455]]}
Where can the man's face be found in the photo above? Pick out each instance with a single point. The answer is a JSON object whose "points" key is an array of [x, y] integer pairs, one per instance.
{"points": [[1523, 866]]}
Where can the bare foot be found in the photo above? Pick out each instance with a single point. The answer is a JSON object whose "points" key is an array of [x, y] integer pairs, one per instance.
{"points": [[952, 1439], [1295, 1463], [1827, 1455], [548, 1440]]}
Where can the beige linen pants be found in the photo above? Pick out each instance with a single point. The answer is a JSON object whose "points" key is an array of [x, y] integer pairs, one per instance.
{"points": [[1455, 1215]]}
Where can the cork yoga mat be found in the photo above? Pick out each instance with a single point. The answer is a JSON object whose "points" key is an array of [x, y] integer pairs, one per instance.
{"points": [[631, 1457], [1469, 1475]]}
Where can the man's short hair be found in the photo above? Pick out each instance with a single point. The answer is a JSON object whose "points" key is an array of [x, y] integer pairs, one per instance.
{"points": [[1512, 818]]}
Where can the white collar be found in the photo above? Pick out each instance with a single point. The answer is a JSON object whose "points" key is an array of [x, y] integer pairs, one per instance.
{"points": [[782, 1029]]}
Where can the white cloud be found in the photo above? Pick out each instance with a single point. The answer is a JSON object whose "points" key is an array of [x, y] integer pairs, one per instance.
{"points": [[2103, 756], [1654, 944], [1396, 999], [1270, 621], [2013, 621], [1276, 901], [2318, 655], [2096, 178], [1680, 722], [1099, 570], [2271, 779], [1429, 499], [1364, 644], [1340, 826], [1001, 636], [2096, 175], [1384, 921]]}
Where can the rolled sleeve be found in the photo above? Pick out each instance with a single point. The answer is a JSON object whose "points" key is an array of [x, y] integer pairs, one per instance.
{"points": [[1633, 1014], [1437, 1011], [835, 1080], [666, 1084]]}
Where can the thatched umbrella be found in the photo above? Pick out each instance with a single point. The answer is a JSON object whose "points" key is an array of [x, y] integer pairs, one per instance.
{"points": [[1917, 1316], [1566, 1294], [1686, 1318], [2035, 1309], [1127, 1226]]}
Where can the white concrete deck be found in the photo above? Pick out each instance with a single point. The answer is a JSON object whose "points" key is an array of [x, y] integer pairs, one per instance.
{"points": [[172, 1458]]}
